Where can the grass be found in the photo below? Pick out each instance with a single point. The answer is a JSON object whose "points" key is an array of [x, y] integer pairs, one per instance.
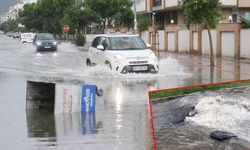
{"points": [[156, 95]]}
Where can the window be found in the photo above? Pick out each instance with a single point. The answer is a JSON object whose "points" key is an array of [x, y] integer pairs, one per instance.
{"points": [[235, 18], [126, 43], [247, 16], [156, 3], [103, 42], [95, 42]]}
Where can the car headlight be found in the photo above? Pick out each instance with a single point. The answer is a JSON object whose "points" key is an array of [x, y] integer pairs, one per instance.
{"points": [[54, 43], [118, 58], [38, 43]]}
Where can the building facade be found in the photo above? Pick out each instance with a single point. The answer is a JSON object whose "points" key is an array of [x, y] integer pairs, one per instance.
{"points": [[167, 12], [14, 10]]}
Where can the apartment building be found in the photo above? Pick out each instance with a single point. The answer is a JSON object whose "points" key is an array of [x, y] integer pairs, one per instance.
{"points": [[14, 10], [166, 11]]}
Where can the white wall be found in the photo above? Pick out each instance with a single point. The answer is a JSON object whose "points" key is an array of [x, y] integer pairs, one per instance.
{"points": [[90, 37], [183, 40], [171, 3], [141, 6], [227, 44], [161, 39], [205, 41], [195, 41], [145, 36], [245, 43], [227, 41], [229, 2], [171, 41]]}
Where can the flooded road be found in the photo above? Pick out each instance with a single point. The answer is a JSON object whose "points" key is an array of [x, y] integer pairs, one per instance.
{"points": [[121, 119]]}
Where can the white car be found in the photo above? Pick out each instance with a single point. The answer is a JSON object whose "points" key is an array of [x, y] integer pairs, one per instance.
{"points": [[122, 53], [27, 37]]}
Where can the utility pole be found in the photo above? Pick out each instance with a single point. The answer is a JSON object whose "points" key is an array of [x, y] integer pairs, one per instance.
{"points": [[135, 16]]}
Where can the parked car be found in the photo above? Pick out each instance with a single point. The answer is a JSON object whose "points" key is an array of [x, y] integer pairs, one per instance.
{"points": [[45, 42], [16, 35], [27, 37], [122, 53], [10, 34]]}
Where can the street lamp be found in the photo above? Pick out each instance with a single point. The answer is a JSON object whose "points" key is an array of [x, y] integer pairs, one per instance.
{"points": [[153, 18], [172, 21]]}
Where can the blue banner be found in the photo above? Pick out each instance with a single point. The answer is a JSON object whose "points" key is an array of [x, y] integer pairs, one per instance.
{"points": [[88, 98]]}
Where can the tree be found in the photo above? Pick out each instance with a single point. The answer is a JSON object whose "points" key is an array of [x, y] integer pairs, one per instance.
{"points": [[206, 12], [245, 23], [71, 18], [109, 10], [78, 17], [45, 15], [31, 16], [10, 25], [144, 23]]}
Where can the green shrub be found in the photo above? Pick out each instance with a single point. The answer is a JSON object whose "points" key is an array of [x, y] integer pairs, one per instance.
{"points": [[245, 23], [80, 40], [182, 91], [144, 23]]}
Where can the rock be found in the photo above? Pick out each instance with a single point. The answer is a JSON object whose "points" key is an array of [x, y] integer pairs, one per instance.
{"points": [[221, 135], [178, 115]]}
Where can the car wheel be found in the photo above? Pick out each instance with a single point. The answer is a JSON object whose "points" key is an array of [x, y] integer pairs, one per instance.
{"points": [[88, 62], [108, 65]]}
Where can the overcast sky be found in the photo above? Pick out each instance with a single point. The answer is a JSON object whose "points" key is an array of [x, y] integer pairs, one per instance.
{"points": [[5, 4]]}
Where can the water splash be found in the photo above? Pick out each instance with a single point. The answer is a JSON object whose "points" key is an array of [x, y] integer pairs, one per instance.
{"points": [[224, 113], [171, 67], [167, 67], [67, 47]]}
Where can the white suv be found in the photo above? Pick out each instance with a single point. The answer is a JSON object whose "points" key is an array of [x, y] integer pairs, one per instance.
{"points": [[27, 37], [122, 53]]}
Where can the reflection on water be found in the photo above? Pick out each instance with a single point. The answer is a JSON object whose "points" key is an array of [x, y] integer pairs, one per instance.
{"points": [[41, 123], [45, 126], [88, 123]]}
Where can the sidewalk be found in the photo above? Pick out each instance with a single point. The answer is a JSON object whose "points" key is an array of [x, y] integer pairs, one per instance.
{"points": [[225, 69]]}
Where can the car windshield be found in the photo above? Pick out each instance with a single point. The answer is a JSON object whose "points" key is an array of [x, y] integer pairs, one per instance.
{"points": [[45, 37], [126, 43]]}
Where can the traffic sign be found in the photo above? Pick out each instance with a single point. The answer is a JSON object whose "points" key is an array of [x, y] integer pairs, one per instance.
{"points": [[66, 28]]}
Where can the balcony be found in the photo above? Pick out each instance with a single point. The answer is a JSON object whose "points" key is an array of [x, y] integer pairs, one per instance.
{"points": [[229, 2], [171, 3], [244, 3]]}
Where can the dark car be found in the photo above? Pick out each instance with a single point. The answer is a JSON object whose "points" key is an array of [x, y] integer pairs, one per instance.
{"points": [[45, 42]]}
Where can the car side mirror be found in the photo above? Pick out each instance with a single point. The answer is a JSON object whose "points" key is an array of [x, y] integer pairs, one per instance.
{"points": [[148, 45], [100, 47]]}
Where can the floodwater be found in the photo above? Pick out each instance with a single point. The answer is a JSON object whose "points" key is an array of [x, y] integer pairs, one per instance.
{"points": [[121, 120]]}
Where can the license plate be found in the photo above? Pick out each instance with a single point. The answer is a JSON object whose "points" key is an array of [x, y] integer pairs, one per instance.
{"points": [[140, 68], [47, 46]]}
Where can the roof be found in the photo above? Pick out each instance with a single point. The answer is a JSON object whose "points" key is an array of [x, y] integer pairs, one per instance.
{"points": [[117, 34]]}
